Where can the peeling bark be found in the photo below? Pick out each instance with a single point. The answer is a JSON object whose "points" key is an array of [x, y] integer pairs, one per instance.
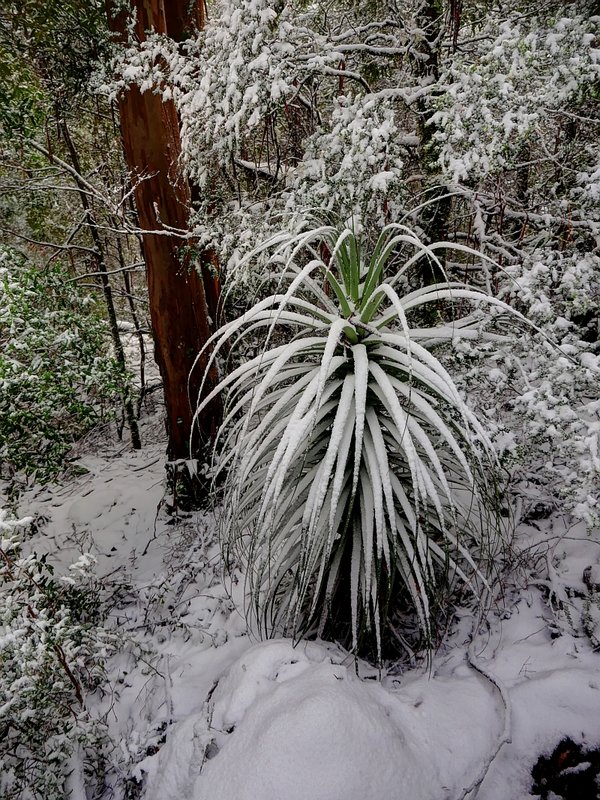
{"points": [[179, 311]]}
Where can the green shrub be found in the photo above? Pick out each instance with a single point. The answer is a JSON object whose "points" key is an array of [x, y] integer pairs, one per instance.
{"points": [[52, 653], [56, 375], [357, 480]]}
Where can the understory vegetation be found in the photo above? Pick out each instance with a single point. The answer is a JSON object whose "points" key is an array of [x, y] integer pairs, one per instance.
{"points": [[53, 650], [57, 376]]}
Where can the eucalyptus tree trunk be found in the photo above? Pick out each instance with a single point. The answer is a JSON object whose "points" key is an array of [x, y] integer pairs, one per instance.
{"points": [[435, 216], [178, 298]]}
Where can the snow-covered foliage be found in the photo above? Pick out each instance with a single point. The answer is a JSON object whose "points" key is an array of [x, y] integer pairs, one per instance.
{"points": [[284, 105], [355, 465], [518, 139], [289, 109], [514, 89], [276, 114], [53, 647], [355, 168], [56, 374], [559, 399]]}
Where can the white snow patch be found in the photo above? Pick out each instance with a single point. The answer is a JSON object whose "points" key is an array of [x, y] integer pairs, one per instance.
{"points": [[307, 727], [546, 709]]}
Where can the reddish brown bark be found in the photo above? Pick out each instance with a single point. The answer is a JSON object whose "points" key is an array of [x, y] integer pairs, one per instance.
{"points": [[178, 301]]}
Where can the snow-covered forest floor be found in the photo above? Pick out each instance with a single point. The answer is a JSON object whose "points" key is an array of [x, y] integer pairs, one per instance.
{"points": [[199, 709]]}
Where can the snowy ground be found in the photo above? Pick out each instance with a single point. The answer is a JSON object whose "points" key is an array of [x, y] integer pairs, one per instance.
{"points": [[209, 713]]}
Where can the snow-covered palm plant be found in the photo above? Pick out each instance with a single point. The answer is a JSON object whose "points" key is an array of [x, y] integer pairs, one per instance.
{"points": [[355, 473]]}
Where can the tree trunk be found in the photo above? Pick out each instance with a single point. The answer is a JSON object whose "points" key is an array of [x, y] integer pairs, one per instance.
{"points": [[435, 216], [178, 300]]}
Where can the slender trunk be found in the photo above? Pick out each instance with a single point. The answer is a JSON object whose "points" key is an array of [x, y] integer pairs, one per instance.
{"points": [[136, 326], [521, 191], [436, 215], [107, 291], [564, 178]]}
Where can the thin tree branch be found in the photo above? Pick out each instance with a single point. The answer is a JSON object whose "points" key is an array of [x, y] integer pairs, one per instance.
{"points": [[39, 243], [137, 267], [82, 183], [505, 737]]}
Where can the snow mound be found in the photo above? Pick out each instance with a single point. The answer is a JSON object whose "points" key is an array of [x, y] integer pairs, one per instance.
{"points": [[292, 724]]}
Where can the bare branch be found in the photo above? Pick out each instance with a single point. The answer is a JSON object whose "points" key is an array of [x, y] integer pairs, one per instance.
{"points": [[137, 267], [39, 243], [505, 737], [352, 32], [81, 181]]}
